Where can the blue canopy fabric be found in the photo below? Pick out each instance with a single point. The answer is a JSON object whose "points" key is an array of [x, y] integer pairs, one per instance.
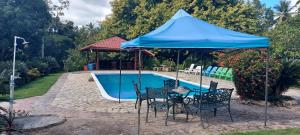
{"points": [[186, 31]]}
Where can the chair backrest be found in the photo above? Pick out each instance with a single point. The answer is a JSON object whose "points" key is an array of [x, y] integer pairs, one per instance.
{"points": [[214, 69], [213, 86], [219, 70], [223, 96], [155, 93], [192, 67], [208, 69], [170, 83], [136, 88], [224, 70], [229, 72], [198, 68]]}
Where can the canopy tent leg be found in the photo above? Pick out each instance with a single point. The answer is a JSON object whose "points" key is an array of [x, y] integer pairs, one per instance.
{"points": [[177, 68], [266, 88], [201, 76], [140, 88], [120, 79]]}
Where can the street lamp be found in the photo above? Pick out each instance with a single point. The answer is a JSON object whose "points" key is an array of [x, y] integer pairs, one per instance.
{"points": [[12, 77]]}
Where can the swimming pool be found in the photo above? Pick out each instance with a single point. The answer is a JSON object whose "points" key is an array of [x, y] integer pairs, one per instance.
{"points": [[108, 84]]}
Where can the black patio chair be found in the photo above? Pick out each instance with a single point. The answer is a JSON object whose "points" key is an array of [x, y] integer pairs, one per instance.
{"points": [[139, 96], [170, 84], [197, 96], [210, 101], [222, 100], [152, 95]]}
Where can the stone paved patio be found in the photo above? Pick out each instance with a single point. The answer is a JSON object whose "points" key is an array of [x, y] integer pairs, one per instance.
{"points": [[87, 112]]}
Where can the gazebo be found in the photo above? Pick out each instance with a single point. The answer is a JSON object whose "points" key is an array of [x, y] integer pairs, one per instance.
{"points": [[111, 45], [184, 31]]}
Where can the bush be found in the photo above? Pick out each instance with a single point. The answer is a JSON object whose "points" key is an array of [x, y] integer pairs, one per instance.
{"points": [[6, 72], [40, 65], [169, 63], [75, 61], [150, 62], [53, 65], [249, 75], [33, 73]]}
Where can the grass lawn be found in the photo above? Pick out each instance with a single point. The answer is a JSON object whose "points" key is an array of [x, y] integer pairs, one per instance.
{"points": [[290, 131], [35, 88]]}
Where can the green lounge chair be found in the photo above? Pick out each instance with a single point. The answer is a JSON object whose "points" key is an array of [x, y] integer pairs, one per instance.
{"points": [[222, 72], [228, 75], [217, 72]]}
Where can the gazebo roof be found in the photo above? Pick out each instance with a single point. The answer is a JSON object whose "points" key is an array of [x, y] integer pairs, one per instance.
{"points": [[110, 44]]}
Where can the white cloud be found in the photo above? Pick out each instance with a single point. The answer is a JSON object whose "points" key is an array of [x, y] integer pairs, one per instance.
{"points": [[82, 12]]}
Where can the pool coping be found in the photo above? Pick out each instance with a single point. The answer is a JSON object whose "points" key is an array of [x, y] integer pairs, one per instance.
{"points": [[107, 96]]}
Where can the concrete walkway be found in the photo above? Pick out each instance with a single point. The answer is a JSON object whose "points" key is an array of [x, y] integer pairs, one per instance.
{"points": [[87, 112]]}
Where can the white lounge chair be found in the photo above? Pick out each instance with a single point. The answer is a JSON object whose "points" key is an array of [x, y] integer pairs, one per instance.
{"points": [[197, 70], [188, 70]]}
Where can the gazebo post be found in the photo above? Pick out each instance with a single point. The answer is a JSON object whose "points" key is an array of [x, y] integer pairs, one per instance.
{"points": [[140, 88], [266, 88], [97, 60], [177, 67]]}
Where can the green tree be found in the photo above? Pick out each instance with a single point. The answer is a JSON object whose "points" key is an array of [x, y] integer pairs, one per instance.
{"points": [[20, 18], [283, 10]]}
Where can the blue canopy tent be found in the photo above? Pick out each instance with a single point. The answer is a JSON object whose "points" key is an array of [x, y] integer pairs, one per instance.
{"points": [[186, 31]]}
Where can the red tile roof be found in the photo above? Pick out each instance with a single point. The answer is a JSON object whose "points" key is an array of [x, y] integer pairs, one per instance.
{"points": [[112, 44]]}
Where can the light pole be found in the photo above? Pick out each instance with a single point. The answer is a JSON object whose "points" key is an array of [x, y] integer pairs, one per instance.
{"points": [[12, 77]]}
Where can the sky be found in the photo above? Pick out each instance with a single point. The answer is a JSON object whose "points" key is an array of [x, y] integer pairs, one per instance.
{"points": [[82, 12]]}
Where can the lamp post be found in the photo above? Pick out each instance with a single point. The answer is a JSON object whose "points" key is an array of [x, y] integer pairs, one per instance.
{"points": [[12, 77]]}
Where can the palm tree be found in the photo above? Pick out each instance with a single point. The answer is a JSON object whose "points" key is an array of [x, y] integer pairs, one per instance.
{"points": [[283, 9]]}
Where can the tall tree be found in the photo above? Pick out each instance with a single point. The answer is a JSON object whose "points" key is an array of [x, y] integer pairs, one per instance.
{"points": [[283, 10], [20, 17]]}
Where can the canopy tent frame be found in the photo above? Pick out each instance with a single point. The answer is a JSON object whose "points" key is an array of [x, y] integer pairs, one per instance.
{"points": [[197, 35]]}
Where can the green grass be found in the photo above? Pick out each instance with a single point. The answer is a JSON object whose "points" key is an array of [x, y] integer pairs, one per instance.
{"points": [[290, 131], [35, 88]]}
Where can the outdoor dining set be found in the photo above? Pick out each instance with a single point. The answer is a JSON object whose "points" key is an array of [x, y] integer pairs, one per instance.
{"points": [[193, 102]]}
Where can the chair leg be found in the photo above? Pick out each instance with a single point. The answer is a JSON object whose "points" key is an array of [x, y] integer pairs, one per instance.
{"points": [[173, 111], [187, 116], [230, 113], [147, 114], [155, 110], [167, 115], [135, 103], [215, 112]]}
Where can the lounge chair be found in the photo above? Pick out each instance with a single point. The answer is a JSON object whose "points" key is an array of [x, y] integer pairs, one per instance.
{"points": [[206, 71], [222, 72], [188, 70], [214, 69], [197, 70], [228, 75]]}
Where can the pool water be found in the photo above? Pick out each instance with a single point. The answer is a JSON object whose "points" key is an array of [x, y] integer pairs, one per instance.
{"points": [[110, 83]]}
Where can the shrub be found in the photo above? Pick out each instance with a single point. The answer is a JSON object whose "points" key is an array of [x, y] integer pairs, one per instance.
{"points": [[169, 63], [6, 72], [53, 65], [40, 64], [33, 73], [149, 63], [75, 61], [249, 75]]}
